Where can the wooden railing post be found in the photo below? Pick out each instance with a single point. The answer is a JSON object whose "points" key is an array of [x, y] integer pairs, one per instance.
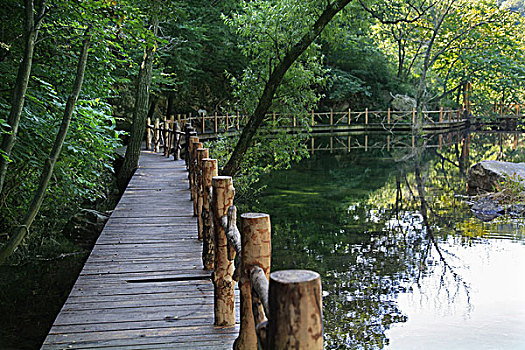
{"points": [[157, 135], [148, 134], [176, 140], [295, 320], [331, 117], [189, 163], [188, 133], [203, 123], [201, 154], [209, 171], [413, 116], [388, 116], [366, 116], [193, 173], [215, 123], [256, 251], [166, 138], [224, 285], [349, 121]]}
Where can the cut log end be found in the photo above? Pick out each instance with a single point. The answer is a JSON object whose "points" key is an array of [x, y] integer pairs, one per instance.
{"points": [[294, 276]]}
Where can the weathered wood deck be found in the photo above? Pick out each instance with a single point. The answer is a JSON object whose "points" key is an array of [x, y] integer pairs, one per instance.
{"points": [[143, 286]]}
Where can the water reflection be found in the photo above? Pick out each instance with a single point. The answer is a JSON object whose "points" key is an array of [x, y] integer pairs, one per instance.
{"points": [[403, 262]]}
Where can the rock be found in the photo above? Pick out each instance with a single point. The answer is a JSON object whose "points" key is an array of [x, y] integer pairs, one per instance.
{"points": [[487, 209], [486, 175], [403, 103], [84, 227]]}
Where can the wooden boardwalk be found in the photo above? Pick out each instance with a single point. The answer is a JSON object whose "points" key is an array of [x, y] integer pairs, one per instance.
{"points": [[143, 286]]}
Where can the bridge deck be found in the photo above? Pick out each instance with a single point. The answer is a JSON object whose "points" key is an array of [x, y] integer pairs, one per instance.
{"points": [[143, 286]]}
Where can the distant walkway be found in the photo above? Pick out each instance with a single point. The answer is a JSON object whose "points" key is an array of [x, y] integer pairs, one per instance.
{"points": [[143, 286]]}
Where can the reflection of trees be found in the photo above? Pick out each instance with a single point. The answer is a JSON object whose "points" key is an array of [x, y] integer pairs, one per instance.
{"points": [[373, 228]]}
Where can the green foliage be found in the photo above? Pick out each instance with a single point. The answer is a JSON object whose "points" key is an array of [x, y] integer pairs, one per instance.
{"points": [[267, 30], [268, 153]]}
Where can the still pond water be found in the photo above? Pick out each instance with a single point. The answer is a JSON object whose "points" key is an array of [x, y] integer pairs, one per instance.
{"points": [[400, 270]]}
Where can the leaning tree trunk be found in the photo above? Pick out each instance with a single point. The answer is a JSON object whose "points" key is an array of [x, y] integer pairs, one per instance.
{"points": [[31, 29], [140, 113], [49, 164], [276, 76]]}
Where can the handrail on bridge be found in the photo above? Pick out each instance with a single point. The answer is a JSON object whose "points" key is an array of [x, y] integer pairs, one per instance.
{"points": [[278, 309]]}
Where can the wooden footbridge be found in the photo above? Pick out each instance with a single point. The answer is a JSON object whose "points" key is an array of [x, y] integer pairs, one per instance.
{"points": [[148, 282], [143, 286]]}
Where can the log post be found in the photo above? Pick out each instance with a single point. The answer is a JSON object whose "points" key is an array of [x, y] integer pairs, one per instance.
{"points": [[441, 114], [189, 147], [227, 121], [388, 143], [313, 118], [349, 116], [413, 116], [224, 285], [166, 138], [203, 123], [157, 135], [296, 312], [273, 117], [193, 174], [238, 120], [388, 116], [176, 141], [188, 132], [215, 123], [366, 116], [201, 154], [256, 251], [331, 117], [209, 170], [171, 134], [148, 134]]}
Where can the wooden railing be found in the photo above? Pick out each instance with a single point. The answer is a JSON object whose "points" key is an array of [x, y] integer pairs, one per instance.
{"points": [[279, 310], [163, 133]]}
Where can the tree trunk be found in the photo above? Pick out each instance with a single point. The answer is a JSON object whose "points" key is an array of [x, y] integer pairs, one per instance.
{"points": [[31, 29], [49, 165], [140, 112], [276, 76]]}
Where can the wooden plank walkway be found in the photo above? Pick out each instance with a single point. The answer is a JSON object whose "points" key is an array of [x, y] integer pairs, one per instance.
{"points": [[143, 286]]}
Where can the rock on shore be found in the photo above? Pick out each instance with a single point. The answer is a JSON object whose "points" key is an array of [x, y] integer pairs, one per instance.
{"points": [[486, 175]]}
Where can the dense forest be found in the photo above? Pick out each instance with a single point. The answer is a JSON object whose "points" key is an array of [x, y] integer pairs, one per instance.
{"points": [[75, 74], [79, 79]]}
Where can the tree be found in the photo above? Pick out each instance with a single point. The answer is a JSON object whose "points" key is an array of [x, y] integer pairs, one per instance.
{"points": [[31, 29], [283, 56], [140, 111], [47, 172]]}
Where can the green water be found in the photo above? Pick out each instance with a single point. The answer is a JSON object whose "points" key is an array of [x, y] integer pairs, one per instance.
{"points": [[398, 271]]}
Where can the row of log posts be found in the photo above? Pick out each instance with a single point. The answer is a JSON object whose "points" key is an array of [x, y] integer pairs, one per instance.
{"points": [[168, 133], [291, 300]]}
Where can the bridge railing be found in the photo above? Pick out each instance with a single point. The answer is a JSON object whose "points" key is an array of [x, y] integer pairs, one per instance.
{"points": [[278, 309], [161, 133]]}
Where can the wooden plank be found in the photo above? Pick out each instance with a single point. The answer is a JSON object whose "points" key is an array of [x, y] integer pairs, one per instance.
{"points": [[143, 285]]}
